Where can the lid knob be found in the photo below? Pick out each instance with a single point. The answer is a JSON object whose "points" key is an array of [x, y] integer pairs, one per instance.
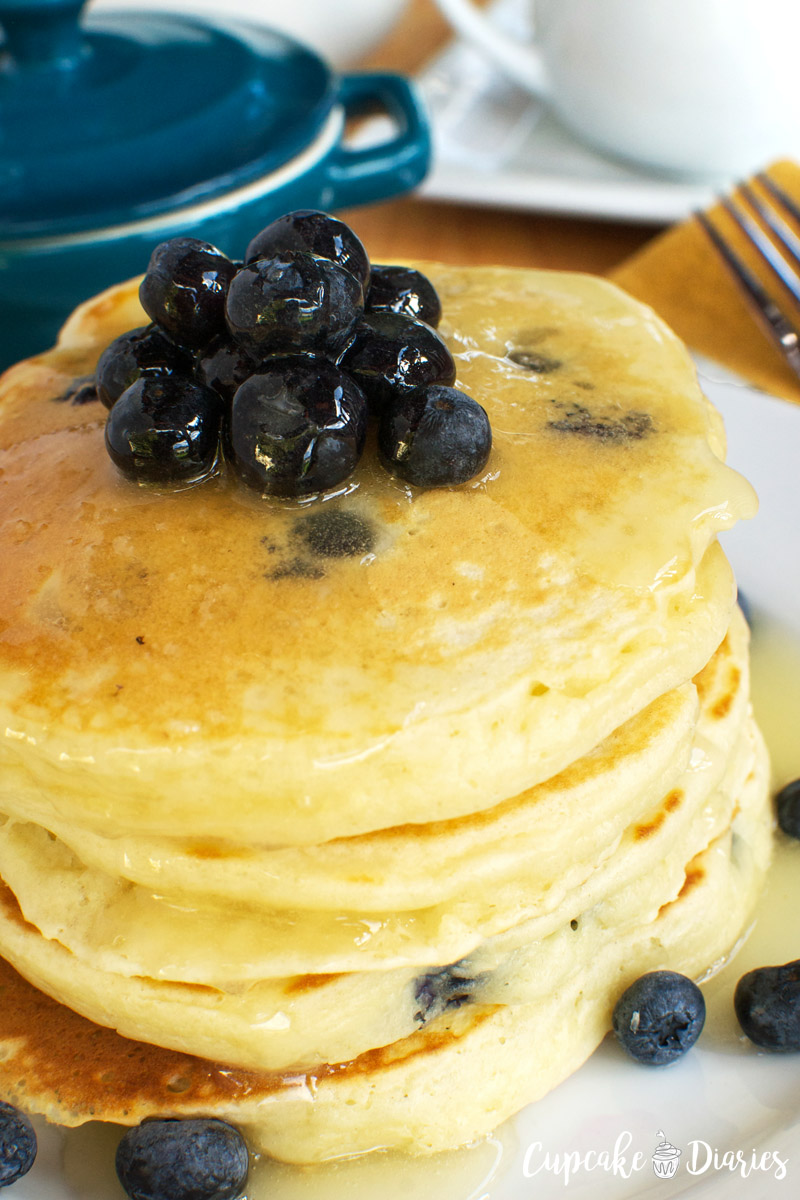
{"points": [[41, 34]]}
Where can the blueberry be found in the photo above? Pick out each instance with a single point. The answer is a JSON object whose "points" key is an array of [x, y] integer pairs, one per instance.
{"points": [[767, 1005], [659, 1017], [605, 427], [336, 534], [17, 1144], [165, 430], [81, 390], [294, 302], [224, 365], [434, 436], [145, 351], [297, 426], [531, 360], [447, 987], [195, 1159], [184, 290], [744, 605], [403, 290], [316, 232], [787, 803], [390, 351]]}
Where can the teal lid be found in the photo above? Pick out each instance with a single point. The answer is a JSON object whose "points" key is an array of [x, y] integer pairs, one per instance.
{"points": [[118, 116]]}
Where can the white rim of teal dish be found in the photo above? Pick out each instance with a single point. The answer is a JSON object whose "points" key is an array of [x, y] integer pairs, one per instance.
{"points": [[325, 140]]}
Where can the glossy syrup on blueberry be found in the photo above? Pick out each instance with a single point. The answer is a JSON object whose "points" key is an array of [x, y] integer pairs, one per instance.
{"points": [[293, 302], [390, 352], [298, 426], [184, 290], [224, 365], [319, 234], [300, 294], [403, 290], [165, 430], [144, 351]]}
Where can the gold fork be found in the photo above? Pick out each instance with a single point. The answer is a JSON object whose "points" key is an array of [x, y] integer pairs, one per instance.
{"points": [[761, 216]]}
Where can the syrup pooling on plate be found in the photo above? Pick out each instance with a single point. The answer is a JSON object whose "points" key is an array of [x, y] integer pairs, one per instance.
{"points": [[87, 1160], [771, 938]]}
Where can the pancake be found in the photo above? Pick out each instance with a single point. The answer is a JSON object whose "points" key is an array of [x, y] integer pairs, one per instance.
{"points": [[328, 842], [443, 1086], [525, 870], [135, 944], [443, 671]]}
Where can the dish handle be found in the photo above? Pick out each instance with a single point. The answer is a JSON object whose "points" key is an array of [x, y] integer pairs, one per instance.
{"points": [[363, 174]]}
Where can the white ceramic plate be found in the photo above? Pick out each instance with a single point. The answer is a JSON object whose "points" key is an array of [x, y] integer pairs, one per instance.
{"points": [[495, 145], [582, 1139]]}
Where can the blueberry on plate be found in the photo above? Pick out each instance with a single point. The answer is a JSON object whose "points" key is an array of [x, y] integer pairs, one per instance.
{"points": [[224, 365], [184, 290], [403, 290], [17, 1144], [294, 302], [659, 1017], [787, 803], [297, 426], [145, 351], [165, 430], [390, 351], [316, 232], [767, 1005], [194, 1159], [434, 436]]}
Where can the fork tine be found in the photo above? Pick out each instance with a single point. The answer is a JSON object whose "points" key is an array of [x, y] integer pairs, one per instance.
{"points": [[777, 327], [783, 233], [771, 219], [777, 193], [771, 256]]}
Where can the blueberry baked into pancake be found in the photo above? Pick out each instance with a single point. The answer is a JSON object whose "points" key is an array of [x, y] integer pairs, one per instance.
{"points": [[375, 696]]}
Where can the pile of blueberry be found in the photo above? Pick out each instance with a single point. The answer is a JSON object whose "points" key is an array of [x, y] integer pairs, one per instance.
{"points": [[276, 364]]}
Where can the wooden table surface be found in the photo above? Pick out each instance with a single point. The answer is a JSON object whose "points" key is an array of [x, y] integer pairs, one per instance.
{"points": [[415, 228]]}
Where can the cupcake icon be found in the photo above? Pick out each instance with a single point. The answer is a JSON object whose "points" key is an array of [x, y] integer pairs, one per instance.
{"points": [[666, 1158]]}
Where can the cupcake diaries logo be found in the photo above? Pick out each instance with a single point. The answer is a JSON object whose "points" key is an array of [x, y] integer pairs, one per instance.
{"points": [[666, 1158], [697, 1157]]}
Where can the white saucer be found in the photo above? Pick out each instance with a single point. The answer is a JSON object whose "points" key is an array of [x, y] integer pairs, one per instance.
{"points": [[496, 145]]}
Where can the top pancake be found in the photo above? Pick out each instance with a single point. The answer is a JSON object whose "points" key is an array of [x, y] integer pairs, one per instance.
{"points": [[188, 660]]}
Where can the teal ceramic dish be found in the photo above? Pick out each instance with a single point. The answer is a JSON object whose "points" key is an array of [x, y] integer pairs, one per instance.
{"points": [[131, 128]]}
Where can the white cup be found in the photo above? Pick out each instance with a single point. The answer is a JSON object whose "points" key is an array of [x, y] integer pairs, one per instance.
{"points": [[703, 88]]}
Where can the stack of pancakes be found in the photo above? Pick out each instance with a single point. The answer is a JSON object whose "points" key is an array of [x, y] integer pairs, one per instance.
{"points": [[349, 820]]}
